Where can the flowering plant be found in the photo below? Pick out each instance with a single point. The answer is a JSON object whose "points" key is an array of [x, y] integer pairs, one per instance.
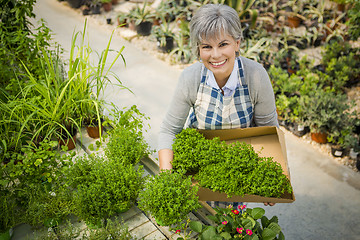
{"points": [[239, 223]]}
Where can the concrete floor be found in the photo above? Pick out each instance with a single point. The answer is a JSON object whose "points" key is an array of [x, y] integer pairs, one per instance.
{"points": [[327, 194]]}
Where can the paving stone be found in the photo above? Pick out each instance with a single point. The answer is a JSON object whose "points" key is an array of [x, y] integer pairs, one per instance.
{"points": [[144, 230]]}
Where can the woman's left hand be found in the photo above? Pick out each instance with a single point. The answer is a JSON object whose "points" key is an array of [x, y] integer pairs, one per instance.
{"points": [[269, 204]]}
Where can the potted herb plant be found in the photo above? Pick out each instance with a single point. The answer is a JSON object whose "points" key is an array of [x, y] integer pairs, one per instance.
{"points": [[239, 224], [169, 197], [126, 143], [103, 187], [141, 17], [164, 36], [107, 5], [240, 171], [316, 116]]}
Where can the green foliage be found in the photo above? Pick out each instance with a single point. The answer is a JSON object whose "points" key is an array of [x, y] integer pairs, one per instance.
{"points": [[103, 187], [31, 177], [326, 110], [169, 197], [353, 21], [126, 142], [8, 218], [114, 229], [341, 63], [235, 169], [19, 43], [238, 223]]}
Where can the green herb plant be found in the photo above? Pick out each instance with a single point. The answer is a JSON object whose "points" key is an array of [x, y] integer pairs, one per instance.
{"points": [[103, 187], [235, 169], [169, 197], [126, 143]]}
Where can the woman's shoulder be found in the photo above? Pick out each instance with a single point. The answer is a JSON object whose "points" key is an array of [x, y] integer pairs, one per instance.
{"points": [[191, 75], [251, 64]]}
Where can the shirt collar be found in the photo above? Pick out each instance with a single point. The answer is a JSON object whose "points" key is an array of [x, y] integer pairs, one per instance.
{"points": [[231, 83]]}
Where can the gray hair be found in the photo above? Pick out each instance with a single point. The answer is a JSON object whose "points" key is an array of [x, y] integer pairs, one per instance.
{"points": [[210, 21]]}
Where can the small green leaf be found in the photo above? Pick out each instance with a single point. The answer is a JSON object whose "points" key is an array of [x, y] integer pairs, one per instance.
{"points": [[257, 213], [38, 162], [209, 233], [196, 226], [281, 236], [225, 235], [268, 234], [275, 227]]}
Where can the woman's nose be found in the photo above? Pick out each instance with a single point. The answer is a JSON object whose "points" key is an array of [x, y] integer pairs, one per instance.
{"points": [[215, 53]]}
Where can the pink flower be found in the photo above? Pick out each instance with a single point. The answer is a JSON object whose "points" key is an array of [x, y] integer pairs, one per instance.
{"points": [[249, 232], [239, 230], [224, 222], [177, 231], [242, 207], [235, 211]]}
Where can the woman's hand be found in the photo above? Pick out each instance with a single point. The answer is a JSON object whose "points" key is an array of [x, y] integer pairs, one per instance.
{"points": [[269, 204], [165, 158]]}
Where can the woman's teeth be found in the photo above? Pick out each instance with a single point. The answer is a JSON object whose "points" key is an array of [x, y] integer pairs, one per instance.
{"points": [[218, 63]]}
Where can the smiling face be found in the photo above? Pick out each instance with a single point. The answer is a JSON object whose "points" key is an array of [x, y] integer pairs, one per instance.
{"points": [[218, 55]]}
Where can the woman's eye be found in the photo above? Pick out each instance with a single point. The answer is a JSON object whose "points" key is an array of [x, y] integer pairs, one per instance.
{"points": [[223, 44], [204, 47]]}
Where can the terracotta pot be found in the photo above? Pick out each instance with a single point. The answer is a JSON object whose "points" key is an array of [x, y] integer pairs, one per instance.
{"points": [[319, 137], [341, 7], [293, 21], [107, 6], [93, 131], [114, 1], [69, 142]]}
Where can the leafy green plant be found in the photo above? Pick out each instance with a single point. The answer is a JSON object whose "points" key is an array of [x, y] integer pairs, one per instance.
{"points": [[114, 229], [141, 14], [8, 218], [163, 32], [244, 9], [103, 187], [126, 146], [169, 197], [239, 223], [126, 142], [324, 110], [192, 151], [31, 177], [182, 53], [235, 169], [353, 20]]}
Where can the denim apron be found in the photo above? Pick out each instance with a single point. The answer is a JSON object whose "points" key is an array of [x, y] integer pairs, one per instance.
{"points": [[212, 110]]}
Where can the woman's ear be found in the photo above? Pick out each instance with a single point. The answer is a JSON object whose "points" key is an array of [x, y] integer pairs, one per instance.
{"points": [[238, 44]]}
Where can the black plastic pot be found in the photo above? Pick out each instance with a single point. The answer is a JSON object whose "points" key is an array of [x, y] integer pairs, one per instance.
{"points": [[299, 130], [75, 3], [338, 151], [169, 45], [358, 162], [95, 8], [144, 28]]}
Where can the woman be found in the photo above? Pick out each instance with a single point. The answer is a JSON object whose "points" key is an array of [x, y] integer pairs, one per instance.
{"points": [[223, 90]]}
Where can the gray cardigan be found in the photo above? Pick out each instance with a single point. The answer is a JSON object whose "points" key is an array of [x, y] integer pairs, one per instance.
{"points": [[261, 94]]}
